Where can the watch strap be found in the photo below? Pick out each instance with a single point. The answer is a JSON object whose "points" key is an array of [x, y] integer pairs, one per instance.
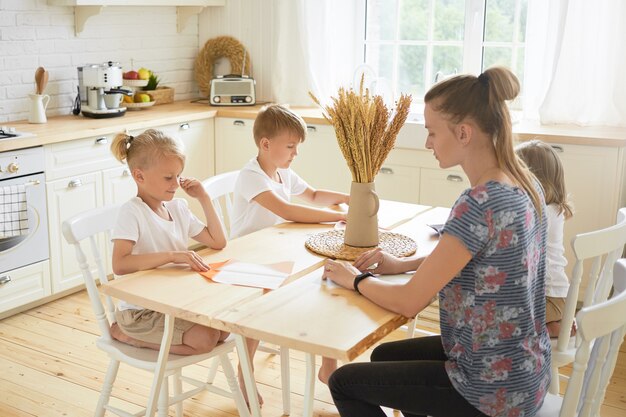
{"points": [[359, 278]]}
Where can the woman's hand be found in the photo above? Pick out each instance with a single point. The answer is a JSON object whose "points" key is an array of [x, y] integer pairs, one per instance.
{"points": [[385, 262], [340, 273], [192, 187], [190, 258]]}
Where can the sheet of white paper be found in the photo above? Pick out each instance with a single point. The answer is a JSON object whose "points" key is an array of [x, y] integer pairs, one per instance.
{"points": [[250, 280], [251, 275], [255, 269]]}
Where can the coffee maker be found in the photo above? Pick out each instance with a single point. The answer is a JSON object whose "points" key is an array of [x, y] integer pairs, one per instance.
{"points": [[94, 82]]}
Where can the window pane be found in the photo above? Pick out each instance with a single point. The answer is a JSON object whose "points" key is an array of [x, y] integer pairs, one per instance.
{"points": [[522, 21], [380, 57], [411, 63], [449, 20], [447, 60], [519, 67], [414, 20], [494, 55], [381, 20], [500, 20]]}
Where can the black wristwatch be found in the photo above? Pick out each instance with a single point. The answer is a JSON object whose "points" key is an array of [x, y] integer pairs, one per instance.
{"points": [[359, 278]]}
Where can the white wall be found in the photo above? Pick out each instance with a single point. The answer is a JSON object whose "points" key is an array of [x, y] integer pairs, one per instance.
{"points": [[252, 22], [34, 34]]}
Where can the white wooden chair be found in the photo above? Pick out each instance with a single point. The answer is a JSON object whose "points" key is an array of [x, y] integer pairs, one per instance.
{"points": [[220, 188], [602, 248], [90, 226], [601, 327]]}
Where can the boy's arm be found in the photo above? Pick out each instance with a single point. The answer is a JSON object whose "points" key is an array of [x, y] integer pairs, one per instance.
{"points": [[324, 197], [124, 262], [296, 212]]}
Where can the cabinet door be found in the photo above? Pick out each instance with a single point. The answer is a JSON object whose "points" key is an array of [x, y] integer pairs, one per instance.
{"points": [[118, 185], [234, 143], [23, 285], [77, 157], [320, 162], [68, 197], [441, 187], [398, 183]]}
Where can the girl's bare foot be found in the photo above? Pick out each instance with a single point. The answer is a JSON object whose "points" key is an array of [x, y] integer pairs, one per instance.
{"points": [[326, 370], [242, 386]]}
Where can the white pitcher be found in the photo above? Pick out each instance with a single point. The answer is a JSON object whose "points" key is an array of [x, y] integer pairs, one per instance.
{"points": [[38, 104]]}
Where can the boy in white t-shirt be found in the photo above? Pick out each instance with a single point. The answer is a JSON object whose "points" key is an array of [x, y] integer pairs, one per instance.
{"points": [[262, 195]]}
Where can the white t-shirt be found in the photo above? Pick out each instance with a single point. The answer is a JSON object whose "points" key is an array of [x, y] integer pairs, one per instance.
{"points": [[557, 282], [151, 233], [248, 215]]}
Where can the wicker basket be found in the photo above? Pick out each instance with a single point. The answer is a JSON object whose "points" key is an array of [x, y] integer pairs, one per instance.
{"points": [[162, 95]]}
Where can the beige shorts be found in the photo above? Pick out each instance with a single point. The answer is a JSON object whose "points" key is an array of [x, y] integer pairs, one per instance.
{"points": [[149, 326], [554, 309]]}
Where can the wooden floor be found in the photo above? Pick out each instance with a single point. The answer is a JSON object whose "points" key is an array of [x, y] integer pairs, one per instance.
{"points": [[49, 366]]}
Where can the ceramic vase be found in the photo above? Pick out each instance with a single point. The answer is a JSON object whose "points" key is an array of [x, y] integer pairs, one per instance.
{"points": [[362, 222], [38, 104]]}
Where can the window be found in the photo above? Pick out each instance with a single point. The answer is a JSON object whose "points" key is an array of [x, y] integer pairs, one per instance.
{"points": [[412, 43]]}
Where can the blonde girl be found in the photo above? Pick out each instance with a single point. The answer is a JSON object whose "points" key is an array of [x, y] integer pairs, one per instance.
{"points": [[488, 270], [153, 229], [544, 163]]}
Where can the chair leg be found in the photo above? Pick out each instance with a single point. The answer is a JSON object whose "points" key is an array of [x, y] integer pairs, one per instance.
{"points": [[164, 400], [410, 328], [212, 370], [107, 386], [554, 384], [233, 384], [177, 389], [285, 381]]}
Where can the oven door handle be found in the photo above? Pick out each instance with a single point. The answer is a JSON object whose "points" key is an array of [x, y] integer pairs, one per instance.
{"points": [[33, 183]]}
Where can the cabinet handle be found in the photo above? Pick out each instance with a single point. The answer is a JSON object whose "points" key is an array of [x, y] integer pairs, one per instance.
{"points": [[184, 126], [385, 170], [126, 172], [5, 279], [74, 183], [454, 178], [239, 123], [311, 129], [558, 148], [102, 141]]}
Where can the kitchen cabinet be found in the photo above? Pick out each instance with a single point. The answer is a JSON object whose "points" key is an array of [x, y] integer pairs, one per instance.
{"points": [[234, 143], [414, 176], [320, 162], [24, 285], [83, 174]]}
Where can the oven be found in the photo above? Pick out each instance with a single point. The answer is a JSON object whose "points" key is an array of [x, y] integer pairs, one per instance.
{"points": [[23, 214]]}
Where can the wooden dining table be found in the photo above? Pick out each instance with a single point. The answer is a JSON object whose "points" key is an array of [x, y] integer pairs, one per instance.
{"points": [[306, 313]]}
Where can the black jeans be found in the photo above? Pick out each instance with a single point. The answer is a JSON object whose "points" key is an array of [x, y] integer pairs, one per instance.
{"points": [[407, 375]]}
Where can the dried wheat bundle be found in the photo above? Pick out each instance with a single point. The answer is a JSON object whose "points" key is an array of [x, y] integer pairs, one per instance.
{"points": [[365, 132]]}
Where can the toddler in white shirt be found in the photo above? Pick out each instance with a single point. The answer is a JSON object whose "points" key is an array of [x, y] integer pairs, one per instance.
{"points": [[544, 163]]}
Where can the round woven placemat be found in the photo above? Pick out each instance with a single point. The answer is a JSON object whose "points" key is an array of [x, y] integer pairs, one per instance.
{"points": [[331, 244]]}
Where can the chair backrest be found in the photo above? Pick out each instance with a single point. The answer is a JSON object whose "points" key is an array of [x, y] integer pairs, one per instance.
{"points": [[89, 226], [602, 248], [220, 188], [602, 326]]}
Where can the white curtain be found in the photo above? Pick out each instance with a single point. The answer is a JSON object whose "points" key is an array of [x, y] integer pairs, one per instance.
{"points": [[575, 70], [322, 40]]}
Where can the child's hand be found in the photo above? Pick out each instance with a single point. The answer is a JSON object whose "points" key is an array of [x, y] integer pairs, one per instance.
{"points": [[192, 187], [192, 259]]}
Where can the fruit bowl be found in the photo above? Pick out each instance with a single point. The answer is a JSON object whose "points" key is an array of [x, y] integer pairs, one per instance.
{"points": [[139, 106], [134, 83]]}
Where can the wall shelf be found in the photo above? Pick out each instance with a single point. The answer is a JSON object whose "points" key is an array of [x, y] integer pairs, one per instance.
{"points": [[84, 9]]}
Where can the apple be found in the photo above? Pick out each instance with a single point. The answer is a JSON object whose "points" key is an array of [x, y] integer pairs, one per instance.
{"points": [[144, 73], [142, 98], [131, 75]]}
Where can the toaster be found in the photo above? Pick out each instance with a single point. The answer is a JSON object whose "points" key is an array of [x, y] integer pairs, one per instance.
{"points": [[232, 90]]}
